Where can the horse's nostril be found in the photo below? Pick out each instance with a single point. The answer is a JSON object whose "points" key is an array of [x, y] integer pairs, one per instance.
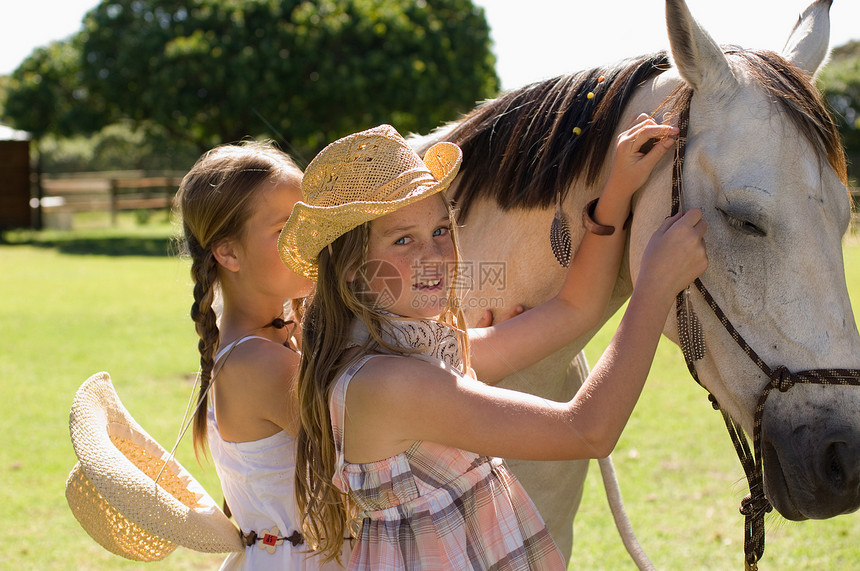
{"points": [[840, 465], [834, 466]]}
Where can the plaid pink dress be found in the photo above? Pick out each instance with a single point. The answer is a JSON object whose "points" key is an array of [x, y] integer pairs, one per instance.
{"points": [[438, 507]]}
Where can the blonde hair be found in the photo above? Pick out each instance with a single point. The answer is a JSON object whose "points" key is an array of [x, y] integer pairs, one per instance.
{"points": [[328, 515], [215, 200]]}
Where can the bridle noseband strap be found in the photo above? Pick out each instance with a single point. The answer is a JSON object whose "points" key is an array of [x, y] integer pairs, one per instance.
{"points": [[755, 505]]}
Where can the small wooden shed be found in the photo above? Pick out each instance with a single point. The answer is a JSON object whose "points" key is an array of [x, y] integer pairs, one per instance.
{"points": [[15, 209]]}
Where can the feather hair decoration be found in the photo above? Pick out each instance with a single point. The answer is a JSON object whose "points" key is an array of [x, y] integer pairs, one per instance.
{"points": [[690, 334], [559, 235]]}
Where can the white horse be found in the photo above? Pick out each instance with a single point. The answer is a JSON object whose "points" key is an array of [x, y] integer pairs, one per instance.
{"points": [[763, 163]]}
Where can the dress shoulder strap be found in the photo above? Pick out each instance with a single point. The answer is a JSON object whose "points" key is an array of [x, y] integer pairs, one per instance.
{"points": [[337, 411], [223, 350]]}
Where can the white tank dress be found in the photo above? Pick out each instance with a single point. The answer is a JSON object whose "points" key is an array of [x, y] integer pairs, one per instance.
{"points": [[257, 481]]}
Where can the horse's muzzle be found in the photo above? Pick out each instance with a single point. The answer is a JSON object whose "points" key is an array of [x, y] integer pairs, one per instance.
{"points": [[811, 471]]}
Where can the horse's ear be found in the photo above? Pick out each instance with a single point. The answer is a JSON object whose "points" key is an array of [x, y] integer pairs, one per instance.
{"points": [[699, 59], [808, 42]]}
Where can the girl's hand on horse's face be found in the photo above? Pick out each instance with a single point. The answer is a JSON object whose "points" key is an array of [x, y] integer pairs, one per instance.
{"points": [[637, 153], [675, 254]]}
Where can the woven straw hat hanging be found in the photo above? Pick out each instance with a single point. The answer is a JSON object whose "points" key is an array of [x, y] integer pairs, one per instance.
{"points": [[356, 179], [112, 489]]}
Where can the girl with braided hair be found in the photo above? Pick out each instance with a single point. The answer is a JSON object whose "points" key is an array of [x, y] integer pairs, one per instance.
{"points": [[233, 203]]}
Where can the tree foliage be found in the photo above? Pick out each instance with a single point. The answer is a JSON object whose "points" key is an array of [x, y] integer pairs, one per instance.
{"points": [[119, 146], [840, 83], [301, 71], [46, 95]]}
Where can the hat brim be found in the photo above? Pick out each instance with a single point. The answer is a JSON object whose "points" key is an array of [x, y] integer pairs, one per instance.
{"points": [[110, 528], [311, 228], [112, 490]]}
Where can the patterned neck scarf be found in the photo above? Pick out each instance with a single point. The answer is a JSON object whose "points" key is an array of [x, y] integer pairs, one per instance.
{"points": [[431, 338]]}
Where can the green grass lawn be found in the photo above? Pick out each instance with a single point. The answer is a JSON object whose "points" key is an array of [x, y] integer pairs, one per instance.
{"points": [[63, 317], [66, 314]]}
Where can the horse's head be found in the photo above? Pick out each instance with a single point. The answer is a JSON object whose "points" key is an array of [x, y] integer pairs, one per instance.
{"points": [[765, 165]]}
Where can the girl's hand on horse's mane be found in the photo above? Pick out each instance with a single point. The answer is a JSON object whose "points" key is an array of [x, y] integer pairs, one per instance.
{"points": [[637, 153], [675, 254]]}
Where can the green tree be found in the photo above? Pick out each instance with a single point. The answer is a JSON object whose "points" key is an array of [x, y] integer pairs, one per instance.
{"points": [[304, 72], [840, 83], [118, 146], [45, 94], [4, 89]]}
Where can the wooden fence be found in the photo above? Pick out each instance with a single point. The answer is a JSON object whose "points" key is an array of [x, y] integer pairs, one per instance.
{"points": [[112, 192]]}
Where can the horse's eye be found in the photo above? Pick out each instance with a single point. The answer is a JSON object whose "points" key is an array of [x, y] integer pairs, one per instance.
{"points": [[740, 224]]}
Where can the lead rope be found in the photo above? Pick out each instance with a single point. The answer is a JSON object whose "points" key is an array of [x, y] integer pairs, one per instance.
{"points": [[755, 505]]}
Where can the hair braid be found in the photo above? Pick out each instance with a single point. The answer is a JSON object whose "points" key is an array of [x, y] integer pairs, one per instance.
{"points": [[204, 272]]}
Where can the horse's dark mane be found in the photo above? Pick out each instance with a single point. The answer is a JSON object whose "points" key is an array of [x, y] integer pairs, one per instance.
{"points": [[521, 148]]}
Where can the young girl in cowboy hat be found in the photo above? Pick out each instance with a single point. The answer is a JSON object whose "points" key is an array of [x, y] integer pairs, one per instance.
{"points": [[234, 202], [398, 441]]}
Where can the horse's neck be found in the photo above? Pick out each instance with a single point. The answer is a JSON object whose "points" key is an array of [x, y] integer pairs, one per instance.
{"points": [[515, 245], [512, 246], [511, 262]]}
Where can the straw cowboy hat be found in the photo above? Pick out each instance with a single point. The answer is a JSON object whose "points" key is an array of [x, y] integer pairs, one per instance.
{"points": [[112, 489], [356, 179]]}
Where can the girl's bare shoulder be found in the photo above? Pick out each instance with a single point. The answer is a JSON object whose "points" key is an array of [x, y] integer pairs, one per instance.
{"points": [[394, 377], [262, 364]]}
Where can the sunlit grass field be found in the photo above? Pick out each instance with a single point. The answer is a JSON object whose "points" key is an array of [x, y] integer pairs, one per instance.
{"points": [[66, 313]]}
